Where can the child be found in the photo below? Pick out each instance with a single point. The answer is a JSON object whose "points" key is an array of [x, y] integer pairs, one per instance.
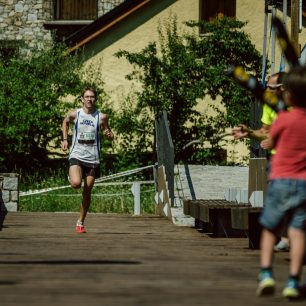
{"points": [[286, 197]]}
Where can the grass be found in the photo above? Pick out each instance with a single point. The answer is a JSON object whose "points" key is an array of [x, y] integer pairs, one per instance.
{"points": [[105, 198]]}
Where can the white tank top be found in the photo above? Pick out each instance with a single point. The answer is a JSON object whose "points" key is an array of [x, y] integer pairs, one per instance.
{"points": [[86, 140]]}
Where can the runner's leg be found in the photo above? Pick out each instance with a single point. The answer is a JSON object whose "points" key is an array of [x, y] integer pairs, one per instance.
{"points": [[75, 176], [88, 184]]}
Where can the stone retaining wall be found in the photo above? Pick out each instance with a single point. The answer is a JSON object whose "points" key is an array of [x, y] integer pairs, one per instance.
{"points": [[9, 191]]}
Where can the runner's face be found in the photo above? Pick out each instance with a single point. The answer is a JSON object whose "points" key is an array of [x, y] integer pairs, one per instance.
{"points": [[89, 99]]}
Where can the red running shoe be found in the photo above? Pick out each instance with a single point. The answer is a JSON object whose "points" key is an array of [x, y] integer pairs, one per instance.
{"points": [[80, 229]]}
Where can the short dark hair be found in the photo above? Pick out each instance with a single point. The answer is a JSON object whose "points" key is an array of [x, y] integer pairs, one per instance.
{"points": [[91, 89], [295, 83]]}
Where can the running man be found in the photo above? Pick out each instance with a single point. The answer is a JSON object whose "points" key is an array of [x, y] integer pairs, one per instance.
{"points": [[84, 157]]}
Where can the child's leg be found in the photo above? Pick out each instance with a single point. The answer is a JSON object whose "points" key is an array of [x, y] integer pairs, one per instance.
{"points": [[297, 242], [266, 283], [267, 242]]}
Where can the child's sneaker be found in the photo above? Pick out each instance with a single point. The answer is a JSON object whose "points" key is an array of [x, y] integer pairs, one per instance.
{"points": [[291, 290], [282, 246], [266, 283], [80, 228]]}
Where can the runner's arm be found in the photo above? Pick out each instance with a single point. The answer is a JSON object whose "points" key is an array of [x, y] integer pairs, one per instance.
{"points": [[106, 129], [71, 115]]}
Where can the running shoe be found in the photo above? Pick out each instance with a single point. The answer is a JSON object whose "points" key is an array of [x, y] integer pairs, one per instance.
{"points": [[282, 246], [80, 229], [266, 284], [291, 290]]}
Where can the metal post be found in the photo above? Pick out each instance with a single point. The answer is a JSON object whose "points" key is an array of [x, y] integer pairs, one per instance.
{"points": [[300, 15], [136, 192], [155, 176], [273, 43], [283, 57], [264, 49]]}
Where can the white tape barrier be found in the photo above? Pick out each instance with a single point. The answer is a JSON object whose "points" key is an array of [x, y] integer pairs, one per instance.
{"points": [[105, 178], [124, 173], [95, 194], [38, 191]]}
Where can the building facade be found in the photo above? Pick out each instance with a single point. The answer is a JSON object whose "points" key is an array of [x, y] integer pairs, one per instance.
{"points": [[35, 24], [103, 27]]}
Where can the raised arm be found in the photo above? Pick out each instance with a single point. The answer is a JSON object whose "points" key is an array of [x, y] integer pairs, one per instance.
{"points": [[242, 131]]}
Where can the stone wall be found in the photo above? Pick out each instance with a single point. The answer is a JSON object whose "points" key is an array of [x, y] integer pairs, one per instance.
{"points": [[9, 191], [22, 21], [104, 6]]}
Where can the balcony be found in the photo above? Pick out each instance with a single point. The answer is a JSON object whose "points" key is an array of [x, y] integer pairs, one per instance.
{"points": [[70, 16]]}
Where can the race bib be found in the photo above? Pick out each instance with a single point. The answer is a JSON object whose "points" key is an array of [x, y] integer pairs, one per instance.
{"points": [[88, 136]]}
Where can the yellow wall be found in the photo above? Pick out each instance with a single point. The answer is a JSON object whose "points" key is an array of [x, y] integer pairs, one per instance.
{"points": [[135, 33], [253, 12], [134, 40]]}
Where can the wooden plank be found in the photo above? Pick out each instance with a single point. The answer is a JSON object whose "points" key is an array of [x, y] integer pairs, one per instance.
{"points": [[239, 218], [257, 175], [132, 261], [194, 209], [254, 230], [186, 207], [204, 213], [163, 208], [220, 219], [295, 25]]}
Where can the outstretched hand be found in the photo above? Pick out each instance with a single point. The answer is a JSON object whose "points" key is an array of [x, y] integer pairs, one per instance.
{"points": [[240, 131]]}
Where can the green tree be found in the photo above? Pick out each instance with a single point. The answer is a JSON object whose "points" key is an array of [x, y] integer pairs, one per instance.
{"points": [[182, 69], [32, 105]]}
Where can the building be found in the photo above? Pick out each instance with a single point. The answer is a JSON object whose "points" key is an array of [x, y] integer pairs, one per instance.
{"points": [[34, 24], [101, 28]]}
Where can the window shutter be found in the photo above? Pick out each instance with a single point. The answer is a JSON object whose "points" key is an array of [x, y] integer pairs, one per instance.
{"points": [[77, 9]]}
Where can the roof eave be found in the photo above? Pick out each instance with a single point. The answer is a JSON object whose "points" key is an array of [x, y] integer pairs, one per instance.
{"points": [[102, 24]]}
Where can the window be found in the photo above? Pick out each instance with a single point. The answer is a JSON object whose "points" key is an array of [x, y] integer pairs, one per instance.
{"points": [[76, 9], [210, 9]]}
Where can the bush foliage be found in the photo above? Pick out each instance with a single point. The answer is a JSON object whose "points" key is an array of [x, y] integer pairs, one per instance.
{"points": [[182, 69], [175, 73], [32, 105]]}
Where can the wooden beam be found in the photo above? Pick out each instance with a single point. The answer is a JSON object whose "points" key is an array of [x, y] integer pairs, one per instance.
{"points": [[295, 25]]}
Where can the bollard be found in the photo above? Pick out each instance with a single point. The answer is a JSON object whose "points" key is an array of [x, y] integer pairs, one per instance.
{"points": [[136, 192]]}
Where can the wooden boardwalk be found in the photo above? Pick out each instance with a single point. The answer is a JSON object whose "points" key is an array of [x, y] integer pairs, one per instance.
{"points": [[125, 260]]}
